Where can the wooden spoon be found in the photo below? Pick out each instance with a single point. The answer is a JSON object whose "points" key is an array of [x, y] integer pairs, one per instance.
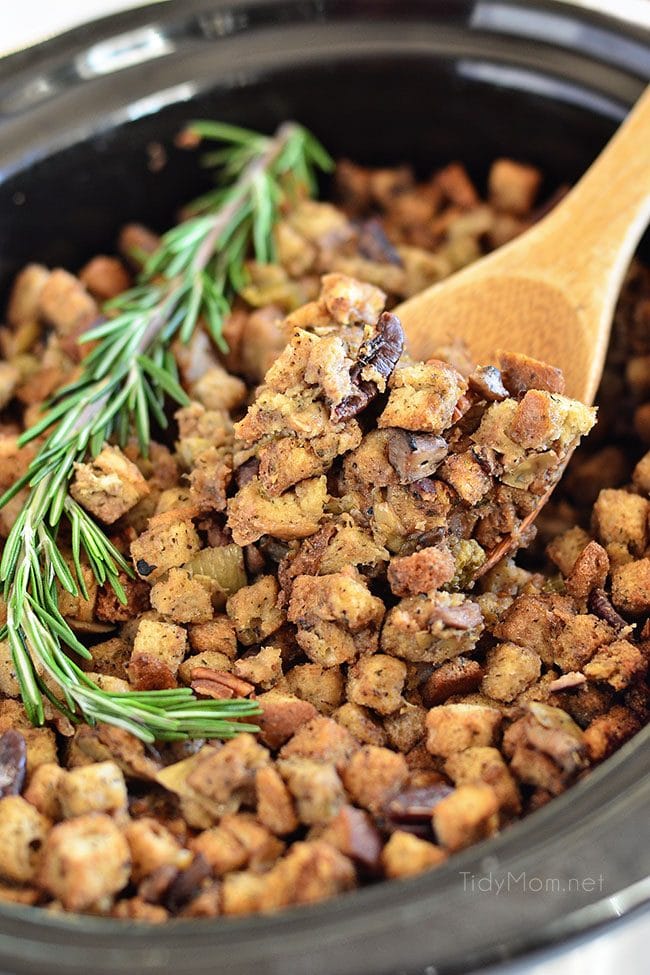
{"points": [[550, 293]]}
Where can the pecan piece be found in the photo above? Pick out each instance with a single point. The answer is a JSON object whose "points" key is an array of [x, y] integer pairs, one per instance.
{"points": [[377, 359], [598, 603], [13, 760], [486, 381], [187, 883], [415, 455], [210, 688], [464, 617], [374, 245], [154, 887], [411, 810]]}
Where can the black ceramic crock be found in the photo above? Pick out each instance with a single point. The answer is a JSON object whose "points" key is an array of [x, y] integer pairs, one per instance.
{"points": [[380, 82]]}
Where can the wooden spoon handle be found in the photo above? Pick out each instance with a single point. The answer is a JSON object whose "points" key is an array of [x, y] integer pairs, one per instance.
{"points": [[586, 245]]}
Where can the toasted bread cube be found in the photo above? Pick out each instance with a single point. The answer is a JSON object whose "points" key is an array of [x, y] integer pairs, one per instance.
{"points": [[158, 651], [373, 776], [105, 277], [618, 664], [565, 548], [182, 598], [509, 671], [406, 727], [360, 723], [217, 389], [622, 517], [469, 814], [296, 514], [254, 612], [423, 397], [264, 669], [631, 587], [163, 547], [316, 788], [275, 805], [65, 304], [322, 686], [405, 855], [323, 740], [454, 727], [93, 788], [25, 294], [282, 715], [217, 635], [485, 764], [513, 186], [84, 860], [153, 846], [23, 831], [377, 682], [43, 789]]}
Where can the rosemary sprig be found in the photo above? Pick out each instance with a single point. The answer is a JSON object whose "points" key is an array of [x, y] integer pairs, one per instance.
{"points": [[124, 381]]}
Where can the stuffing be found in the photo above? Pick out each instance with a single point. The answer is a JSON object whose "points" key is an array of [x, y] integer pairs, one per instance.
{"points": [[509, 670], [158, 651], [64, 303], [153, 846], [23, 832], [336, 616], [631, 587], [360, 723], [466, 816], [405, 855], [108, 486], [264, 669], [162, 547], [84, 860], [373, 776], [323, 740], [314, 537], [322, 686], [315, 787], [254, 612], [622, 517], [452, 728], [275, 805], [423, 397], [377, 682], [485, 764], [432, 628], [296, 514], [513, 186], [97, 788], [422, 572], [181, 598]]}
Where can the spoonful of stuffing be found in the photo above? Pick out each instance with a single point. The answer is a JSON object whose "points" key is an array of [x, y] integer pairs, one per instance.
{"points": [[550, 294]]}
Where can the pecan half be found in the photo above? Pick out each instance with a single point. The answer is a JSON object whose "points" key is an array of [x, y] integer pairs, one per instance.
{"points": [[204, 677], [378, 357]]}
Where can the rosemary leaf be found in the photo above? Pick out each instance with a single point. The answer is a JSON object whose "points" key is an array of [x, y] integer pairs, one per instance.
{"points": [[191, 278]]}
